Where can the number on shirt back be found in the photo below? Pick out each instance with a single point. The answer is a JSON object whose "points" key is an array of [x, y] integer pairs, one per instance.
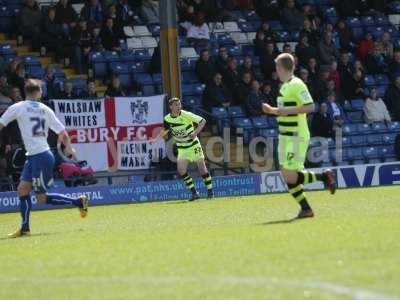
{"points": [[38, 128]]}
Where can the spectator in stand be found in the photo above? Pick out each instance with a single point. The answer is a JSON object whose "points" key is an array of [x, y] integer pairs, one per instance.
{"points": [[92, 13], [254, 100], [151, 11], [394, 65], [205, 68], [49, 81], [354, 88], [335, 111], [30, 23], [326, 49], [292, 18], [365, 46], [96, 40], [322, 124], [267, 59], [52, 35], [83, 45], [248, 67], [319, 86], [216, 94], [18, 78], [313, 70], [345, 35], [304, 75], [358, 66], [310, 13], [287, 49], [125, 12], [115, 89], [113, 14], [90, 92], [231, 76], [5, 88], [269, 35], [375, 109], [387, 46], [243, 89], [269, 94], [268, 10], [344, 67], [110, 36], [66, 17], [375, 60], [16, 95], [311, 32], [221, 61], [334, 74], [259, 42], [392, 98], [198, 34], [304, 51], [68, 91]]}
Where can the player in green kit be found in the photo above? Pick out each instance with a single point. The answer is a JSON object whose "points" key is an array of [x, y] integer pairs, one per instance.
{"points": [[185, 127], [294, 103]]}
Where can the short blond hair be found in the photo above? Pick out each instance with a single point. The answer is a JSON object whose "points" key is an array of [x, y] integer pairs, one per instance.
{"points": [[32, 86], [286, 61]]}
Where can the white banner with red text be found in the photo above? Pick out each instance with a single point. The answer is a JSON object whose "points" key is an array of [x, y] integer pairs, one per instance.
{"points": [[114, 133]]}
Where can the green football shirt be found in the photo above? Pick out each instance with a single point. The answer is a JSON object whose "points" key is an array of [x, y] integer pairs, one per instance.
{"points": [[181, 127], [294, 93]]}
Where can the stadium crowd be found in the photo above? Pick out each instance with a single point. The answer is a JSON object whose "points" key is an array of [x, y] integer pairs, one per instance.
{"points": [[331, 59]]}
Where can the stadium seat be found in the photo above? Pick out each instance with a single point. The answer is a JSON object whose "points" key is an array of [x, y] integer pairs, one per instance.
{"points": [[189, 52], [231, 27], [7, 50], [388, 138], [125, 79], [358, 32], [246, 125], [350, 129], [142, 54], [141, 31], [355, 117], [358, 140], [247, 27], [271, 132], [148, 90], [36, 72], [143, 79], [283, 36], [157, 78], [356, 153], [276, 25], [225, 39], [154, 29], [236, 112], [111, 56], [346, 106], [394, 127], [134, 43], [220, 114], [374, 139], [394, 19], [369, 80], [386, 152], [272, 122], [127, 56], [357, 104], [353, 22], [381, 20], [187, 64], [251, 15], [346, 141], [187, 89], [138, 67], [235, 50], [379, 127], [364, 128], [370, 152], [381, 79], [189, 77], [368, 21], [119, 68], [149, 42]]}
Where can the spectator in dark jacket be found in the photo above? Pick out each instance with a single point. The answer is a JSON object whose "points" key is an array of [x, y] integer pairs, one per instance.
{"points": [[115, 89], [49, 81], [392, 98], [267, 59], [322, 124], [92, 12], [345, 35], [344, 67], [30, 23], [243, 89], [335, 111], [311, 32], [110, 36], [68, 92], [304, 51], [375, 60], [216, 93], [292, 18], [254, 100], [231, 76], [259, 42], [113, 14], [125, 12], [269, 93], [66, 16], [354, 88], [83, 45], [221, 61], [90, 92], [52, 34], [394, 65], [18, 78], [205, 68], [326, 49], [247, 66], [269, 35]]}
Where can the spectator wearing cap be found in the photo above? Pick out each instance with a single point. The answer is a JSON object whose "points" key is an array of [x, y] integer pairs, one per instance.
{"points": [[365, 46], [354, 88], [375, 60], [392, 98], [151, 11], [254, 99], [68, 91], [90, 91], [198, 34], [375, 109], [326, 49], [267, 59], [115, 89], [30, 21], [110, 36], [205, 69], [216, 93], [335, 111], [221, 60], [92, 13], [243, 89], [322, 124], [304, 51], [394, 65], [292, 18]]}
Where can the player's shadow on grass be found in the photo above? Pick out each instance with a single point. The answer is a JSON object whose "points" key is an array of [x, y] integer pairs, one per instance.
{"points": [[286, 221], [33, 235]]}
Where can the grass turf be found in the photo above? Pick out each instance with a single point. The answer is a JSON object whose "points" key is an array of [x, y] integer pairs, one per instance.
{"points": [[242, 248]]}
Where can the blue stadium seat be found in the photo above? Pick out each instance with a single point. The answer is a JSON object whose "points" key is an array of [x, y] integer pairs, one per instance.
{"points": [[394, 127], [272, 122], [374, 139], [187, 89], [36, 72], [329, 11], [381, 20], [30, 60], [381, 79], [138, 67], [376, 32], [369, 80], [142, 55], [368, 21], [353, 22], [220, 114], [356, 153], [346, 141], [251, 15], [247, 27], [189, 77], [364, 128], [192, 101], [394, 7], [260, 123], [127, 56], [346, 106], [111, 56], [386, 152], [381, 89], [119, 68], [271, 132], [143, 79], [388, 138], [236, 112], [157, 78], [235, 51], [276, 25], [224, 39], [283, 36], [379, 127], [294, 36], [370, 152], [355, 117], [125, 80], [187, 64], [246, 125], [339, 155], [357, 104], [358, 32], [350, 129], [394, 32], [7, 49], [148, 90], [358, 140], [6, 18], [154, 29]]}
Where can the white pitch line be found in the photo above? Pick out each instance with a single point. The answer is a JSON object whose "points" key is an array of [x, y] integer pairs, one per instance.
{"points": [[355, 293]]}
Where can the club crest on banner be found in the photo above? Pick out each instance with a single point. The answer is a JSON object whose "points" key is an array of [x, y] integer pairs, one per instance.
{"points": [[140, 111]]}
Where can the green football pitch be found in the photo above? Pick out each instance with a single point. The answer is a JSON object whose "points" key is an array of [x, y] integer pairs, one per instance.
{"points": [[238, 248]]}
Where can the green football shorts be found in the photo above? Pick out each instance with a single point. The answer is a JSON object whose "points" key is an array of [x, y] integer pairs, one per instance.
{"points": [[192, 154], [292, 152]]}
